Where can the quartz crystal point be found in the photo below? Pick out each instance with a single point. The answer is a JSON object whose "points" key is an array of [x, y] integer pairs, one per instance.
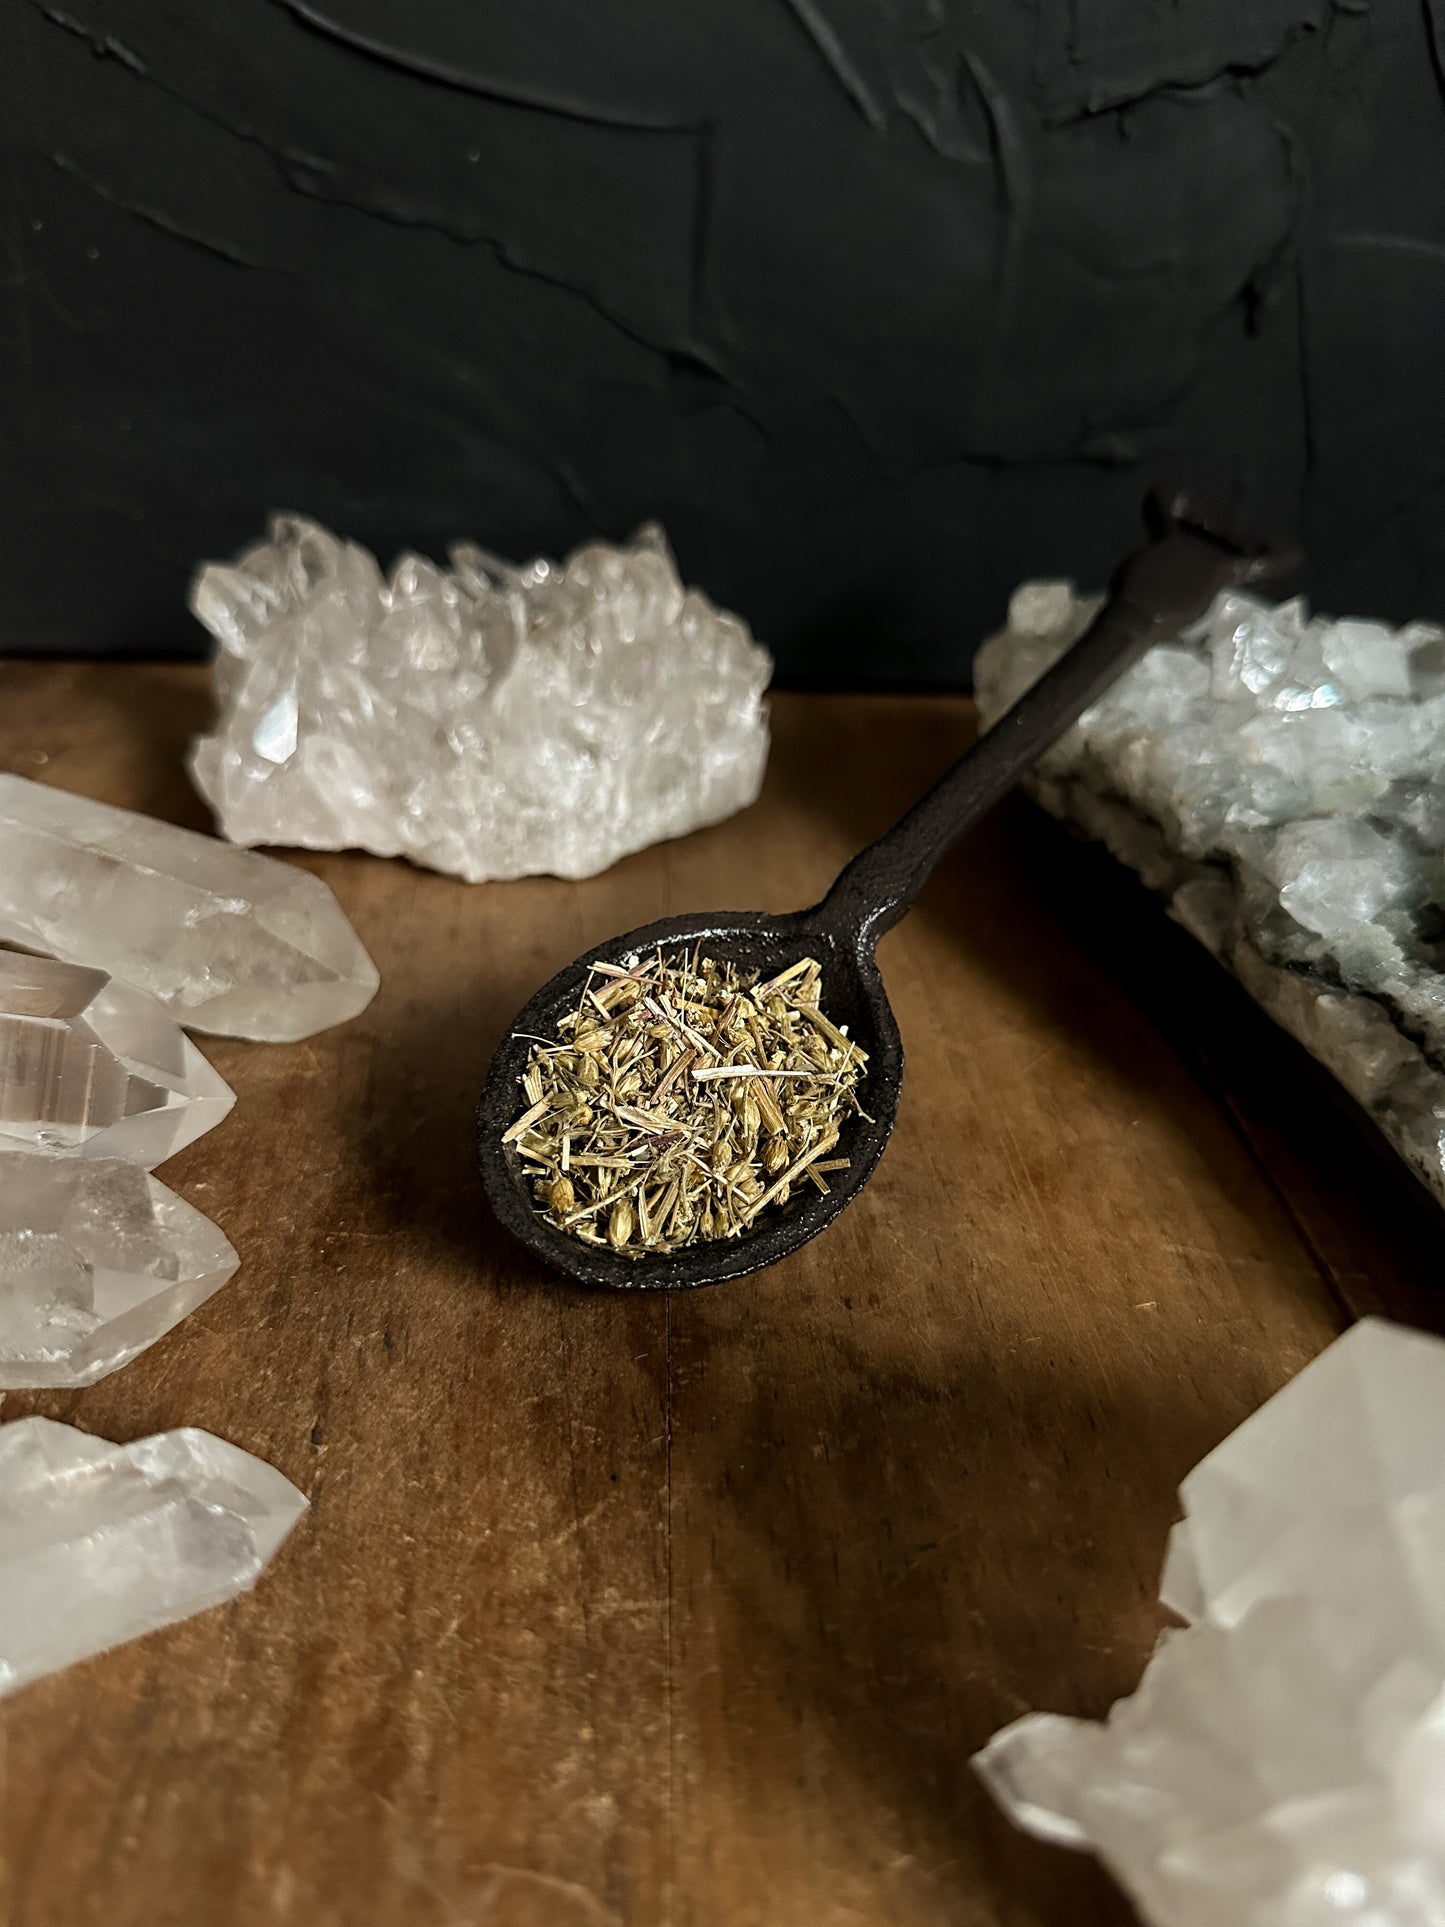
{"points": [[484, 720], [100, 1543], [229, 941], [97, 1261], [1282, 1763], [1280, 778], [95, 1069]]}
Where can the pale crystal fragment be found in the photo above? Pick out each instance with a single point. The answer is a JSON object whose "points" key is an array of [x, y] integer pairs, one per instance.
{"points": [[97, 1261], [1280, 778], [96, 1069], [1282, 1763], [1336, 873], [100, 1543], [1368, 658], [485, 720], [228, 940]]}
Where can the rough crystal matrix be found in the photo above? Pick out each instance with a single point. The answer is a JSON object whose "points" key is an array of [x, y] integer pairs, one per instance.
{"points": [[97, 1261], [1282, 1763], [1280, 778], [96, 1069], [100, 1543], [483, 720], [227, 940]]}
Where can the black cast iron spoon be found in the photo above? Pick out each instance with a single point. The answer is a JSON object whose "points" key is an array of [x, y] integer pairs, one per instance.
{"points": [[1158, 591]]}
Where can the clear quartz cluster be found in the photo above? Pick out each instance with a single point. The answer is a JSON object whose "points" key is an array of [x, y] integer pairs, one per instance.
{"points": [[484, 720], [1280, 778], [100, 1543], [1282, 1763], [98, 1084], [97, 1261], [228, 940]]}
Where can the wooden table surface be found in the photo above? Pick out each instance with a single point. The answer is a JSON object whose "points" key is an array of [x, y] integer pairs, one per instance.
{"points": [[641, 1612]]}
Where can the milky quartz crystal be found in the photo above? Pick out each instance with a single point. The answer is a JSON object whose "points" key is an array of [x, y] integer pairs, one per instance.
{"points": [[100, 1543], [1280, 778], [96, 1069], [97, 1261], [484, 720], [1282, 1763], [228, 940]]}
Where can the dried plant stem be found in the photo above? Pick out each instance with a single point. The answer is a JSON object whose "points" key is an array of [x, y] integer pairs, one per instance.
{"points": [[681, 1099]]}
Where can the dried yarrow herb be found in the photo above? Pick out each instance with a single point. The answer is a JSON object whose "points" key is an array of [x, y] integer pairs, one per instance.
{"points": [[682, 1098]]}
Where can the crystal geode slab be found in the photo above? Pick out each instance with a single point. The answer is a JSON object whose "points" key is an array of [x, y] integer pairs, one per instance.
{"points": [[100, 1543], [96, 1069], [1282, 1763], [229, 941], [485, 720], [1280, 780], [97, 1261]]}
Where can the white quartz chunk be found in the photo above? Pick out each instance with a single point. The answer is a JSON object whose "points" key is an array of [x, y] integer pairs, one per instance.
{"points": [[1282, 1763], [1367, 658], [228, 940], [97, 1261], [484, 720], [100, 1543], [1280, 778], [1337, 872], [91, 1068]]}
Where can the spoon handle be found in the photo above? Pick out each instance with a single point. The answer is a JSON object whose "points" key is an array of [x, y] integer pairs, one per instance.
{"points": [[1156, 593]]}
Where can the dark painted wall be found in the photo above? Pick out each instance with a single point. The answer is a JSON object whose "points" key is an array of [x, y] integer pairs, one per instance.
{"points": [[878, 304]]}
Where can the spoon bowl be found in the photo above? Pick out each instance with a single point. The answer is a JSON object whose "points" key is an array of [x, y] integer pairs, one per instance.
{"points": [[1155, 594], [755, 941]]}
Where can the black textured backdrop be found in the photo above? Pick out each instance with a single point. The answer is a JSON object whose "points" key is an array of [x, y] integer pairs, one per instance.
{"points": [[877, 304]]}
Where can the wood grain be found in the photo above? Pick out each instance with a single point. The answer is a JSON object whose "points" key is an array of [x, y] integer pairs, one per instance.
{"points": [[627, 1613]]}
